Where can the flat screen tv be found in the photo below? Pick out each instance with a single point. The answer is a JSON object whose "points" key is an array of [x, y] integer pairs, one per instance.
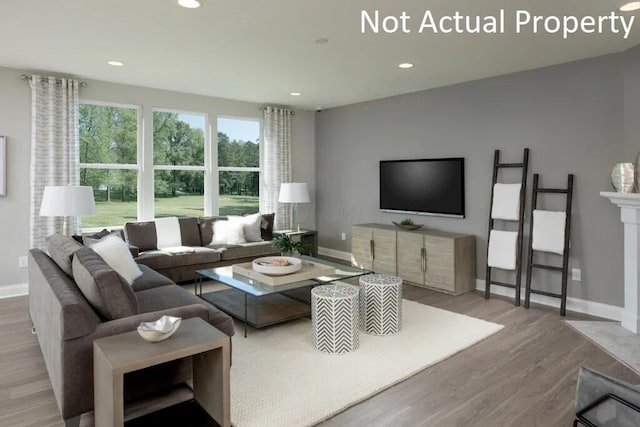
{"points": [[427, 186]]}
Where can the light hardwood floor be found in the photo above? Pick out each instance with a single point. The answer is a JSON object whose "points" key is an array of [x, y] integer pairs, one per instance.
{"points": [[525, 375]]}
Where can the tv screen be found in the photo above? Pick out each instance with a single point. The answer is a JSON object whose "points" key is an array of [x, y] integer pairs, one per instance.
{"points": [[428, 186]]}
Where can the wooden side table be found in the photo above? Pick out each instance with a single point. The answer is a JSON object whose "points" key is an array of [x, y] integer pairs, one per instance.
{"points": [[117, 355], [307, 237]]}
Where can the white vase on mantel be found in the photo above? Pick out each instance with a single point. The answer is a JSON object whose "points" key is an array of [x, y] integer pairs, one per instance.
{"points": [[623, 177]]}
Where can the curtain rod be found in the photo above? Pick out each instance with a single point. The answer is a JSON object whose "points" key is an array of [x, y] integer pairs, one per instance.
{"points": [[263, 107], [26, 77]]}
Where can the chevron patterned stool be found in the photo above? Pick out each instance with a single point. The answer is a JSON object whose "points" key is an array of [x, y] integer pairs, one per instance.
{"points": [[380, 304], [334, 313]]}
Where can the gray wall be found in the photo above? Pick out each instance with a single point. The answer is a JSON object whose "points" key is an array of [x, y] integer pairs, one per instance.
{"points": [[571, 116], [15, 123]]}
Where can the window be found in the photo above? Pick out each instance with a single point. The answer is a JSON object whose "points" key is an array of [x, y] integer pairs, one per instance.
{"points": [[109, 162], [179, 163], [238, 166]]}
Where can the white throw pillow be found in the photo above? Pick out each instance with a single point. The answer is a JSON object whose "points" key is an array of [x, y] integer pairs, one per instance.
{"points": [[229, 232], [251, 226], [116, 253]]}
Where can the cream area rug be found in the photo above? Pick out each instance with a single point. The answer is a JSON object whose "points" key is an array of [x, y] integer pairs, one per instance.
{"points": [[279, 379]]}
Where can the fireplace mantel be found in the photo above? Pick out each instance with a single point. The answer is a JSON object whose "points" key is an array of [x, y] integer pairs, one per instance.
{"points": [[629, 204]]}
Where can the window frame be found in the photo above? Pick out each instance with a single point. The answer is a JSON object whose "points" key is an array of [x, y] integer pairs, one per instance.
{"points": [[237, 168], [120, 166], [206, 168]]}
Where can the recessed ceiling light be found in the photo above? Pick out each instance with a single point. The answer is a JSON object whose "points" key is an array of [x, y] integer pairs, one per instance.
{"points": [[295, 94], [406, 65], [189, 4], [628, 7], [322, 40], [115, 63]]}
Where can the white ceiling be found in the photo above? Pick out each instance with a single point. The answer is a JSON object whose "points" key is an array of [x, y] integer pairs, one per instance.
{"points": [[261, 50]]}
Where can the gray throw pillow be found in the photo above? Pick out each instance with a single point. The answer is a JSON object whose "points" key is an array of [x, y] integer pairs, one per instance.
{"points": [[61, 249], [143, 235], [108, 293], [266, 226], [92, 239]]}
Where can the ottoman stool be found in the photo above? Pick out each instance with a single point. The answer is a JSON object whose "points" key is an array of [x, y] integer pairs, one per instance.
{"points": [[380, 304], [334, 314]]}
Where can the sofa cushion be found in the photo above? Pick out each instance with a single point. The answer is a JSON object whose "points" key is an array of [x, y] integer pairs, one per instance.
{"points": [[190, 231], [246, 250], [61, 249], [206, 228], [167, 297], [142, 235], [149, 279], [266, 226], [108, 293], [159, 260]]}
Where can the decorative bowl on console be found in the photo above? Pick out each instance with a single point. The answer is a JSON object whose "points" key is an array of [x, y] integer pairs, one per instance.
{"points": [[277, 265], [159, 330], [407, 224]]}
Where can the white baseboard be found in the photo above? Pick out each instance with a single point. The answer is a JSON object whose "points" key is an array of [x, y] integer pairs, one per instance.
{"points": [[578, 305], [345, 256], [17, 290]]}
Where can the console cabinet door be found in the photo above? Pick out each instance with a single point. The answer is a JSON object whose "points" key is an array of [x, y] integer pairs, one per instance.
{"points": [[410, 263], [440, 271], [361, 250], [384, 251]]}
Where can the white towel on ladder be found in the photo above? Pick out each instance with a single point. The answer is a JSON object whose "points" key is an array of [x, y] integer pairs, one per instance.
{"points": [[506, 202], [168, 232], [502, 249], [548, 231]]}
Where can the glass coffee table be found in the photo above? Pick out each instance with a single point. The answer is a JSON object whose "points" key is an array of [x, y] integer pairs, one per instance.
{"points": [[258, 304]]}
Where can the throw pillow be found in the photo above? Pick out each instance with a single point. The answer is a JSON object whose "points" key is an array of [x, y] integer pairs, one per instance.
{"points": [[61, 249], [206, 227], [168, 232], [102, 286], [229, 232], [91, 239], [115, 252], [251, 226], [266, 226], [143, 235]]}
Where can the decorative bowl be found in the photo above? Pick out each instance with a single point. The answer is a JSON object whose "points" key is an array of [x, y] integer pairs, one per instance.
{"points": [[159, 330], [408, 226], [269, 265]]}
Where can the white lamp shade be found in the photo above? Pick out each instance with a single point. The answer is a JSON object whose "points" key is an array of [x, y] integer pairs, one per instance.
{"points": [[67, 201], [294, 192]]}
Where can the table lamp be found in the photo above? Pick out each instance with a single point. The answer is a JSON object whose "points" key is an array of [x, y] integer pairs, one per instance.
{"points": [[294, 192], [67, 201]]}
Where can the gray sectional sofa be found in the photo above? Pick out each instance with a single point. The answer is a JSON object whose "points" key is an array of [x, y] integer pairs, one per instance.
{"points": [[196, 234], [75, 298]]}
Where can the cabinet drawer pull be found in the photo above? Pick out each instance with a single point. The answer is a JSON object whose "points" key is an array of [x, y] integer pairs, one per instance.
{"points": [[371, 250], [423, 260]]}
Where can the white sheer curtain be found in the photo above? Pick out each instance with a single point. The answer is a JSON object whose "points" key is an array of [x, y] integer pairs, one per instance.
{"points": [[54, 148], [276, 163]]}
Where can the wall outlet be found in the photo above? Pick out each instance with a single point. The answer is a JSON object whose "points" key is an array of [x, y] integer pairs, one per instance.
{"points": [[576, 274], [22, 262], [343, 236]]}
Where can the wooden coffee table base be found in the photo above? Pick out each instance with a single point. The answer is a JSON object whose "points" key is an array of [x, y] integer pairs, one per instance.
{"points": [[119, 354]]}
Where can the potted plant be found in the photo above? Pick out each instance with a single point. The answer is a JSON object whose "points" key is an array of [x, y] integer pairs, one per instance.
{"points": [[288, 246]]}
